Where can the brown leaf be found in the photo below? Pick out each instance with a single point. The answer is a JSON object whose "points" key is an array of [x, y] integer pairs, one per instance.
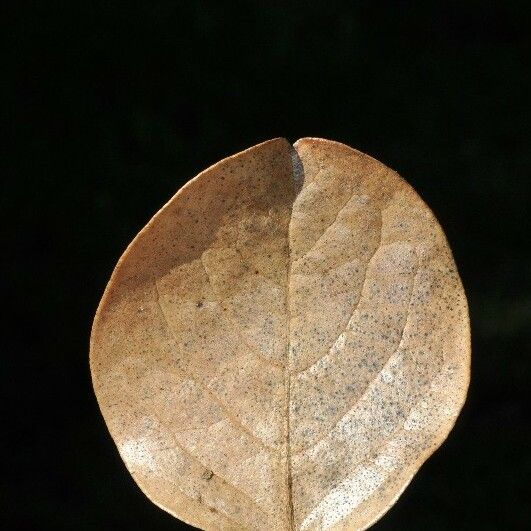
{"points": [[285, 343]]}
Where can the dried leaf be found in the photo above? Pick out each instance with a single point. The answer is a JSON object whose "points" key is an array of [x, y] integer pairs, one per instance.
{"points": [[284, 344]]}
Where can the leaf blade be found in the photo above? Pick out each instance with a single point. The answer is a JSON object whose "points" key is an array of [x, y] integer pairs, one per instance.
{"points": [[267, 330]]}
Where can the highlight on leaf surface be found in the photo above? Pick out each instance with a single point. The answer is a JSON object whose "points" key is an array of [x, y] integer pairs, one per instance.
{"points": [[284, 344]]}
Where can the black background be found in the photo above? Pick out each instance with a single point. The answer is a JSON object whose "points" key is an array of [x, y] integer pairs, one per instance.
{"points": [[112, 106]]}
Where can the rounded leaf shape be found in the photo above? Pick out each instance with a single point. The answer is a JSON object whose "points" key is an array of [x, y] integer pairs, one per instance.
{"points": [[285, 343]]}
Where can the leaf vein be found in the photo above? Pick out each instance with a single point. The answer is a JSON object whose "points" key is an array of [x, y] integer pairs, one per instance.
{"points": [[232, 419], [367, 388], [365, 275], [187, 452]]}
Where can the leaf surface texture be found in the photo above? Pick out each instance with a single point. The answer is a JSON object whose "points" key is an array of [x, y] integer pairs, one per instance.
{"points": [[285, 343]]}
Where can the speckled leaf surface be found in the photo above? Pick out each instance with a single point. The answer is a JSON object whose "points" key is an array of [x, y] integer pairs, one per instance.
{"points": [[284, 344]]}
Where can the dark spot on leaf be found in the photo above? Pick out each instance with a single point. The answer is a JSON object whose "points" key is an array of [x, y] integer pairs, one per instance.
{"points": [[207, 475]]}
